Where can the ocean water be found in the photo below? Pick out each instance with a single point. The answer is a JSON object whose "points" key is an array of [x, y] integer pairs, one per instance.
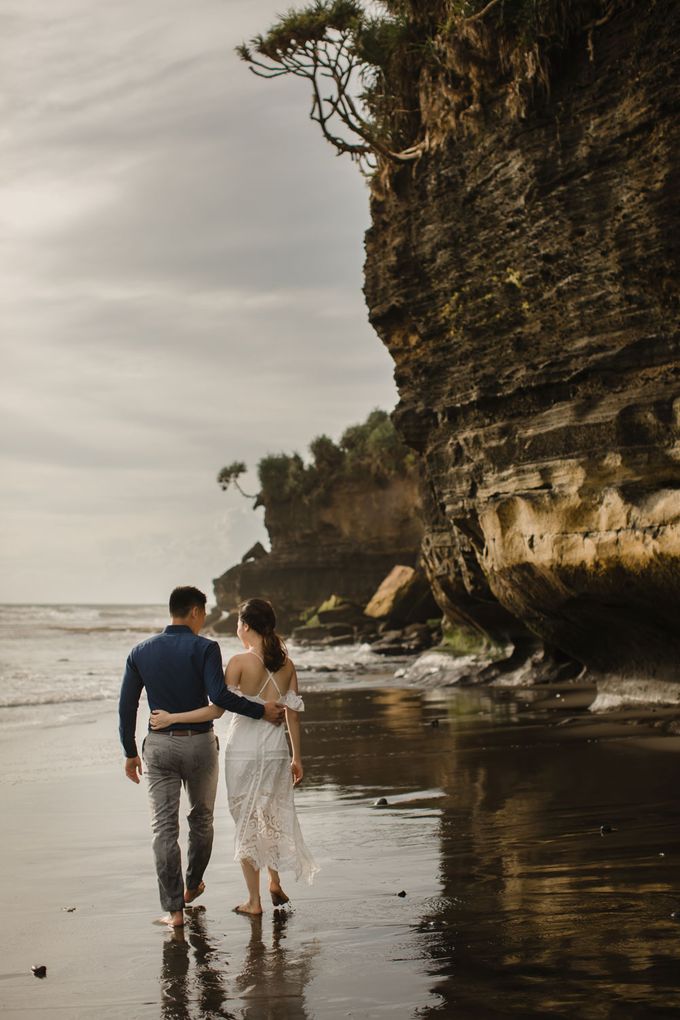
{"points": [[70, 655]]}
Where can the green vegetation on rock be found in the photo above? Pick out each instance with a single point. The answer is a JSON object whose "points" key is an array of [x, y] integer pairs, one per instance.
{"points": [[230, 475], [461, 640], [374, 67], [370, 452]]}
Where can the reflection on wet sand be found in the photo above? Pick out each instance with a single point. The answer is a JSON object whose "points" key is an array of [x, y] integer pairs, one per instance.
{"points": [[498, 809], [546, 912], [270, 982], [539, 913], [185, 992]]}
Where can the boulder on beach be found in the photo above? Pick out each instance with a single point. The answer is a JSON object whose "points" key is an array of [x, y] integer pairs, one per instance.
{"points": [[213, 616], [338, 610], [403, 597], [326, 633], [409, 641], [227, 625]]}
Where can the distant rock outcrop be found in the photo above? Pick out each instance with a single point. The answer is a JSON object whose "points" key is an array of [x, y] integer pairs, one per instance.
{"points": [[336, 526], [345, 546]]}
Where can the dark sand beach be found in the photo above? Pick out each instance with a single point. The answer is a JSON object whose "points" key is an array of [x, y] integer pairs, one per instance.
{"points": [[515, 905]]}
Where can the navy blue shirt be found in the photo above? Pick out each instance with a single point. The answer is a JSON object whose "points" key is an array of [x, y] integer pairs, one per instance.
{"points": [[180, 670]]}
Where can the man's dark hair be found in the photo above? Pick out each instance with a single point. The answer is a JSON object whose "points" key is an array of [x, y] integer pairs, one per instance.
{"points": [[183, 600]]}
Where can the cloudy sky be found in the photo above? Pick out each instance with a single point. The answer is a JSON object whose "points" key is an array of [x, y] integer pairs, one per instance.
{"points": [[181, 287]]}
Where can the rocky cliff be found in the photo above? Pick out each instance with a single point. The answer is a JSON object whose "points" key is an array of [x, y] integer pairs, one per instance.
{"points": [[523, 275], [336, 526], [344, 548]]}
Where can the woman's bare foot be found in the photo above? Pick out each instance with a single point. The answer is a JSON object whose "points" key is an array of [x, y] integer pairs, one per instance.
{"points": [[175, 919], [253, 909], [192, 894], [277, 894]]}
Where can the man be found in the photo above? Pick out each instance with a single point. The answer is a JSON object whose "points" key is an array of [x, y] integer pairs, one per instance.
{"points": [[179, 670]]}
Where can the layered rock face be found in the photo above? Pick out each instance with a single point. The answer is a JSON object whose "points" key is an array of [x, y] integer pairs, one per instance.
{"points": [[523, 275], [343, 546]]}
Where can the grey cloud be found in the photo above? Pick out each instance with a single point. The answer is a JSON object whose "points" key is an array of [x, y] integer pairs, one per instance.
{"points": [[183, 282]]}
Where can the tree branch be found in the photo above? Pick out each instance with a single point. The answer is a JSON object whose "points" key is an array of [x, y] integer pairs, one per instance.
{"points": [[484, 10], [322, 43], [248, 495]]}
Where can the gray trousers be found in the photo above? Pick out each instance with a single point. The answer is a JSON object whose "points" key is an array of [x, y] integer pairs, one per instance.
{"points": [[171, 762]]}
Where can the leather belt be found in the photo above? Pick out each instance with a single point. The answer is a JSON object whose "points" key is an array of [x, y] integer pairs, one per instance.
{"points": [[181, 733]]}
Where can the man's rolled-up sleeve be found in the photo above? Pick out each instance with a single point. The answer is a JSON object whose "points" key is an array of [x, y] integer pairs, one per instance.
{"points": [[130, 693], [219, 693]]}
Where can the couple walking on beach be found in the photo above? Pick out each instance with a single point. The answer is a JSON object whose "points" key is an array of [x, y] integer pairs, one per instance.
{"points": [[181, 670]]}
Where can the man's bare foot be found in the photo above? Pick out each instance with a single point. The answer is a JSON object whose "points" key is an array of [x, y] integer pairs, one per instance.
{"points": [[192, 894], [175, 919], [250, 909]]}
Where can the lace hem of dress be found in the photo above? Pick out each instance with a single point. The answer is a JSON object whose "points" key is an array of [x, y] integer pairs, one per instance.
{"points": [[306, 869]]}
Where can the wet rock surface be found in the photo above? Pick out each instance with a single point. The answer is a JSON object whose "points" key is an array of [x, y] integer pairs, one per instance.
{"points": [[403, 597], [383, 636]]}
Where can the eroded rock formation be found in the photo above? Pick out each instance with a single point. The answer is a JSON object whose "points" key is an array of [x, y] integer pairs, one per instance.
{"points": [[342, 545], [523, 275]]}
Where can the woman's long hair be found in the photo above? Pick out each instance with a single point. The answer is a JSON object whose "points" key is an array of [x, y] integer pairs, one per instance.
{"points": [[260, 616]]}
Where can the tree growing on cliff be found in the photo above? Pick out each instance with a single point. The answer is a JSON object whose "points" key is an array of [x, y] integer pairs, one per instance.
{"points": [[281, 476], [345, 54], [230, 475], [372, 76], [326, 455]]}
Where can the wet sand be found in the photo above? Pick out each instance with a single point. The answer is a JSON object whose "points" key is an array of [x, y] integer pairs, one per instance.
{"points": [[515, 903]]}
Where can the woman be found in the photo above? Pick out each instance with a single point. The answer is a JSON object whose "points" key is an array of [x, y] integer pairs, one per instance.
{"points": [[260, 774]]}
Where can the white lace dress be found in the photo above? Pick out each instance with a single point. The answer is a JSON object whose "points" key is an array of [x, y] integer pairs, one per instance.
{"points": [[260, 791]]}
